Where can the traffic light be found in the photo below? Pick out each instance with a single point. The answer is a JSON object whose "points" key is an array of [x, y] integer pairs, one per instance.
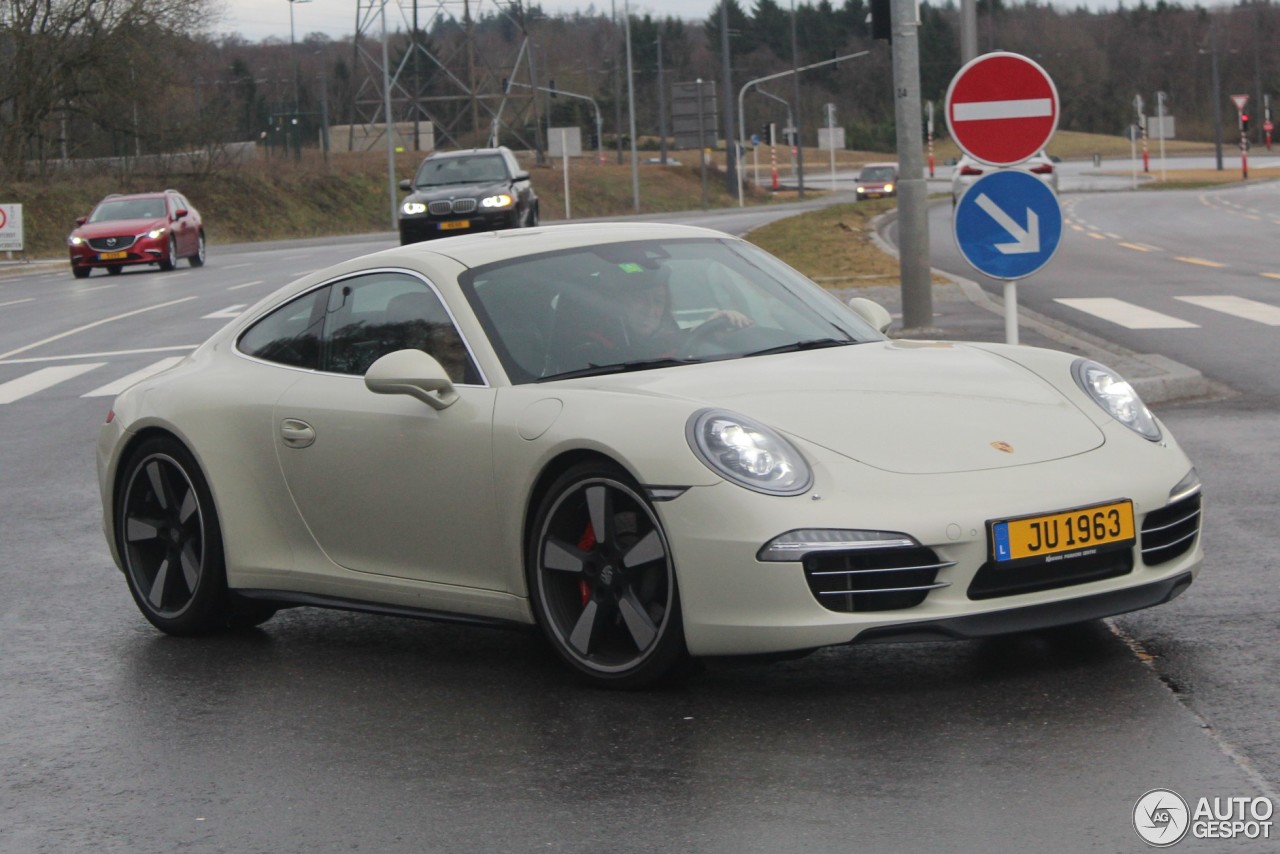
{"points": [[1244, 121], [551, 84], [764, 134]]}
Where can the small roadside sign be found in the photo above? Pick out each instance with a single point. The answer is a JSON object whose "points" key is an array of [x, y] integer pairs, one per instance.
{"points": [[1008, 224], [10, 228], [1001, 108], [1240, 101]]}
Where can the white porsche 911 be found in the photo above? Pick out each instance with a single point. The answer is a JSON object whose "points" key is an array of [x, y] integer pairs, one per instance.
{"points": [[652, 442]]}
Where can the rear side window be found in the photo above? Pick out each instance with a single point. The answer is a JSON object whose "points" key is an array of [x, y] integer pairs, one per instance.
{"points": [[290, 335]]}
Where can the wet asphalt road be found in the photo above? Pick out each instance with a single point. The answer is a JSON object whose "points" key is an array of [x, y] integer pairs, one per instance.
{"points": [[325, 731]]}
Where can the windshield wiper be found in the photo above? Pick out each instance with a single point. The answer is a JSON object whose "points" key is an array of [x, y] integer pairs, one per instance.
{"points": [[620, 368], [811, 344]]}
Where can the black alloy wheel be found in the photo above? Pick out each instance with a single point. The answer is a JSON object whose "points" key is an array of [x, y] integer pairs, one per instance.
{"points": [[602, 581], [169, 542]]}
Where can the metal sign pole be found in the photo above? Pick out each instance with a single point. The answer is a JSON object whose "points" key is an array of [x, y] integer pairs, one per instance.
{"points": [[1011, 312]]}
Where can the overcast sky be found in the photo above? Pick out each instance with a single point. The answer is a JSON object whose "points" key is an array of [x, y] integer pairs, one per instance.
{"points": [[260, 19]]}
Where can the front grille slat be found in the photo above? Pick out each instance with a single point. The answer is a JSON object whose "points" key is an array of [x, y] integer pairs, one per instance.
{"points": [[112, 244], [440, 208], [464, 205], [1171, 531], [880, 579]]}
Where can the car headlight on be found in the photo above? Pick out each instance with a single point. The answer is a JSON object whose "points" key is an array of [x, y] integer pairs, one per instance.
{"points": [[413, 208], [502, 200], [157, 232], [888, 188], [747, 453], [862, 190], [1117, 397], [73, 240]]}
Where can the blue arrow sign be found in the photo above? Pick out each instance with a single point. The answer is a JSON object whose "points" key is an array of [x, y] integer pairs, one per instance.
{"points": [[1008, 224]]}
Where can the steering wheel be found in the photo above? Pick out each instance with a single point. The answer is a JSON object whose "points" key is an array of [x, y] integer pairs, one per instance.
{"points": [[699, 337]]}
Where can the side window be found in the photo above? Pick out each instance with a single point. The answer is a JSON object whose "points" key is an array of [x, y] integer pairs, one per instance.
{"points": [[370, 316], [290, 335]]}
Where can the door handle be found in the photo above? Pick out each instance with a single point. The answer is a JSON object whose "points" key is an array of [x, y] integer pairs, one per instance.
{"points": [[297, 434]]}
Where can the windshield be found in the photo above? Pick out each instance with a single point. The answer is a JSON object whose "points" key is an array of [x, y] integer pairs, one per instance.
{"points": [[128, 209], [480, 169], [876, 173], [629, 306]]}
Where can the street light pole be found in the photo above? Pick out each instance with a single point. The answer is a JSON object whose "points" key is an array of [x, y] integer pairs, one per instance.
{"points": [[795, 133]]}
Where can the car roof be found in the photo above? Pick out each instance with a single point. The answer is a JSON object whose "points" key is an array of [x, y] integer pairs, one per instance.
{"points": [[883, 163], [466, 152]]}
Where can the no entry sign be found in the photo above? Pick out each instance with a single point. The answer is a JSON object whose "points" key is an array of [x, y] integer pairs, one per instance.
{"points": [[1002, 108]]}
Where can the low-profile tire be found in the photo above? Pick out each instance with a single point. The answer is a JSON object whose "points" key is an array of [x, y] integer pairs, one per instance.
{"points": [[602, 581], [197, 260], [170, 259], [170, 544], [115, 271], [81, 272], [534, 215]]}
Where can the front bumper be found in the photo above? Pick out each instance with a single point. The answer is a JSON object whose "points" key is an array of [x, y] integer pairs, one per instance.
{"points": [[425, 227], [734, 603], [143, 250]]}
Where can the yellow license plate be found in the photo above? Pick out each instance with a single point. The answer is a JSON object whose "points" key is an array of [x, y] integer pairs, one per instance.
{"points": [[112, 256], [1082, 530], [457, 223]]}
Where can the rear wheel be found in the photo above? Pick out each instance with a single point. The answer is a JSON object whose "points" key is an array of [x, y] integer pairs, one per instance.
{"points": [[167, 532], [602, 581]]}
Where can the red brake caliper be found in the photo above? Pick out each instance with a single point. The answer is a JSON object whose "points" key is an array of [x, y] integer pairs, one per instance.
{"points": [[587, 543]]}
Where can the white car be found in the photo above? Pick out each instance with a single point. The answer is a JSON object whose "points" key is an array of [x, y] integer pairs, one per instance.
{"points": [[968, 170], [650, 441]]}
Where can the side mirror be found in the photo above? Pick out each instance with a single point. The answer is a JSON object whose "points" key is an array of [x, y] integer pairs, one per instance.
{"points": [[520, 176], [406, 184], [414, 373], [81, 220], [872, 312], [180, 213]]}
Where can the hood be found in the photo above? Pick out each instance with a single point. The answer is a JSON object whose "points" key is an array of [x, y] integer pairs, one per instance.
{"points": [[907, 407], [118, 227], [458, 191]]}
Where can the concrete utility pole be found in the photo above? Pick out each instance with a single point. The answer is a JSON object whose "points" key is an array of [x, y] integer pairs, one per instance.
{"points": [[913, 190], [795, 69], [968, 30]]}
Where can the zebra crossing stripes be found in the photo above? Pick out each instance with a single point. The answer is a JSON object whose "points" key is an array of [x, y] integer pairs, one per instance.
{"points": [[42, 379], [114, 388], [1247, 309], [1125, 314]]}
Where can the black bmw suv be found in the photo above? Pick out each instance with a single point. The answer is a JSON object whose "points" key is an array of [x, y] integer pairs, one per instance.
{"points": [[454, 192]]}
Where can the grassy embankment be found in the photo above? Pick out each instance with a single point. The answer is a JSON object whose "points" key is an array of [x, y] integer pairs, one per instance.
{"points": [[276, 199]]}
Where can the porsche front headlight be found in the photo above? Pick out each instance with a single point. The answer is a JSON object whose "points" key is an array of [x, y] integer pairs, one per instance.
{"points": [[1117, 397], [747, 453], [413, 208], [502, 200]]}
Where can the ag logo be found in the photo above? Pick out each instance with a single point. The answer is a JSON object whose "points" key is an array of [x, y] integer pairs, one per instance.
{"points": [[1161, 818]]}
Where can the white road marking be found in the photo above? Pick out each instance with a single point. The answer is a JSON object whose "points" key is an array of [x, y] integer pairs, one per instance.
{"points": [[17, 301], [1247, 309], [229, 313], [1026, 108], [41, 380], [88, 290], [123, 383], [1126, 314], [234, 266], [37, 359], [246, 284], [96, 323]]}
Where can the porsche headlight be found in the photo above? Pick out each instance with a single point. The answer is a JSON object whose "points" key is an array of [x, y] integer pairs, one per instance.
{"points": [[502, 200], [1117, 397], [157, 232], [747, 453], [413, 208]]}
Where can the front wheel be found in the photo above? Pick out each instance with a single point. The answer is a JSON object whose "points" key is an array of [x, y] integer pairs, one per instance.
{"points": [[168, 536], [170, 259], [197, 260], [602, 581], [81, 272]]}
